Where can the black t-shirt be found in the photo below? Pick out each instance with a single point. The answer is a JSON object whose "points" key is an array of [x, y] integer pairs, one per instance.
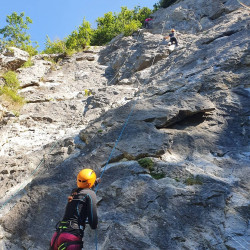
{"points": [[80, 208], [172, 35]]}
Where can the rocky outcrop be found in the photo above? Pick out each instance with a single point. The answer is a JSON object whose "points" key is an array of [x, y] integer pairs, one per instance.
{"points": [[33, 75], [60, 100], [2, 112], [194, 18], [187, 112], [13, 58]]}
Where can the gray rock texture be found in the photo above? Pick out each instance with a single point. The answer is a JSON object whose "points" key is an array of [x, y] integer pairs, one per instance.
{"points": [[12, 58], [187, 111]]}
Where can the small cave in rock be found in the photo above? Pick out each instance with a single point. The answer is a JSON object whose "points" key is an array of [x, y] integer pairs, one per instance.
{"points": [[184, 120]]}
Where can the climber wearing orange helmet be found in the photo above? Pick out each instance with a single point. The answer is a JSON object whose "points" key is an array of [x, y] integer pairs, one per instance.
{"points": [[81, 206], [172, 37]]}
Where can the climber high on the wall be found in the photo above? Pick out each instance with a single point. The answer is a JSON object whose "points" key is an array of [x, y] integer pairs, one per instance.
{"points": [[146, 22], [81, 206], [173, 37]]}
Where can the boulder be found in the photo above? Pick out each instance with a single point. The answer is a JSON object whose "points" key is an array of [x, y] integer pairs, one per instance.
{"points": [[32, 75], [13, 58], [2, 112]]}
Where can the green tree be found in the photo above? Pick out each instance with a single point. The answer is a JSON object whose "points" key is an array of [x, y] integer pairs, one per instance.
{"points": [[76, 41], [127, 21], [15, 33], [141, 14], [81, 37], [112, 24], [53, 47], [105, 29], [164, 3], [9, 91]]}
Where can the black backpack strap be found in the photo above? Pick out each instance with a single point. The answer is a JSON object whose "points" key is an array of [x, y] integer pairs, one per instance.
{"points": [[64, 245]]}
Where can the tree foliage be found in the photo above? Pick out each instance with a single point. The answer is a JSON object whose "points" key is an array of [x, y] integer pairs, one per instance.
{"points": [[76, 41], [54, 47], [9, 91], [109, 26], [15, 33], [164, 4], [142, 13], [81, 37], [112, 24], [11, 80], [106, 29]]}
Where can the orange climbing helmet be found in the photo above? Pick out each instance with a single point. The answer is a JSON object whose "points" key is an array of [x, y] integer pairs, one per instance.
{"points": [[172, 30], [86, 178]]}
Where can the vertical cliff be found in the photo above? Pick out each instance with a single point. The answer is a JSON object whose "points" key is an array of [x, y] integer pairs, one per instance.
{"points": [[178, 178]]}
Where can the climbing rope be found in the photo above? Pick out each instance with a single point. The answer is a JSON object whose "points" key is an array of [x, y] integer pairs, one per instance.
{"points": [[42, 161], [160, 41], [121, 133], [131, 111], [117, 141], [244, 5], [124, 126]]}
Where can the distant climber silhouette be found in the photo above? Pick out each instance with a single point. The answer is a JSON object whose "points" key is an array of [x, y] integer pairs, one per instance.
{"points": [[173, 37], [146, 22]]}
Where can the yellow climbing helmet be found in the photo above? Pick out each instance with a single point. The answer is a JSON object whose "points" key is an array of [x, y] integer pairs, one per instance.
{"points": [[86, 178], [172, 30]]}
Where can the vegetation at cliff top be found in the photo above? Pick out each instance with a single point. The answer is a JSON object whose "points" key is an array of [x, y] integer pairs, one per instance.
{"points": [[14, 34], [164, 4], [109, 26]]}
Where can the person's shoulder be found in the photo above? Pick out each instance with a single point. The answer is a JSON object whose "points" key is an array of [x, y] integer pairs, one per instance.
{"points": [[87, 191], [74, 190]]}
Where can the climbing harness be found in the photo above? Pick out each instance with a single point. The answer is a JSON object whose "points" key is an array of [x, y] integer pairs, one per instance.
{"points": [[61, 227], [77, 225]]}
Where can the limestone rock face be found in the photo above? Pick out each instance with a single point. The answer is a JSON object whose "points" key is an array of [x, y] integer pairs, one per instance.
{"points": [[31, 76], [2, 112], [170, 130], [13, 58], [192, 17]]}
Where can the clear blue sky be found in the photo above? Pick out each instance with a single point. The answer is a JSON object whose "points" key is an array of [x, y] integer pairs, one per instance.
{"points": [[58, 18]]}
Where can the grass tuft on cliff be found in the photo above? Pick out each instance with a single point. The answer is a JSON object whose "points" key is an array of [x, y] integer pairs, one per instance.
{"points": [[9, 92], [149, 164]]}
